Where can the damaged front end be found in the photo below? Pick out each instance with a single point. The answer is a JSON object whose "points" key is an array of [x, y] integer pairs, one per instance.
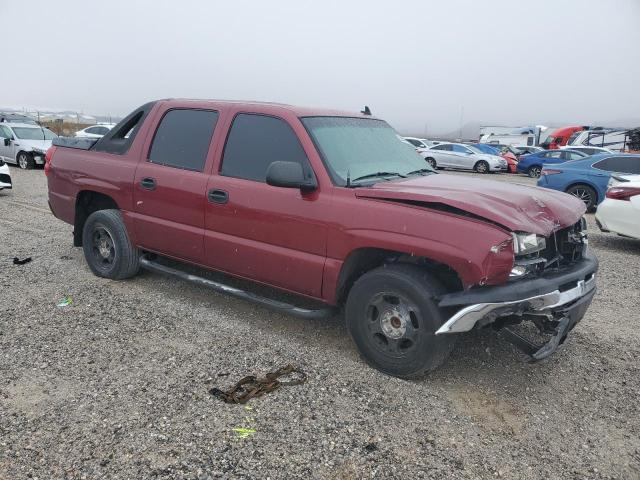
{"points": [[551, 286]]}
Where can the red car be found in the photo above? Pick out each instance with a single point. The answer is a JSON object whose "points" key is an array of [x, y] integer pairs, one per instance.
{"points": [[333, 207]]}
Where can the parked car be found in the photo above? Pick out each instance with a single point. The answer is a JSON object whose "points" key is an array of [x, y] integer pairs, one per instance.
{"points": [[619, 212], [5, 176], [532, 164], [6, 117], [417, 142], [331, 207], [588, 178], [463, 157], [95, 131], [526, 150], [587, 150], [504, 151], [24, 144]]}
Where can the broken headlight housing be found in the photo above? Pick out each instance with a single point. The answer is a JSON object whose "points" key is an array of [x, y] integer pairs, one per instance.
{"points": [[528, 243]]}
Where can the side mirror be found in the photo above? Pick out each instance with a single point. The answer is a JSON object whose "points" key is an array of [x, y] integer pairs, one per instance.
{"points": [[289, 175], [7, 142]]}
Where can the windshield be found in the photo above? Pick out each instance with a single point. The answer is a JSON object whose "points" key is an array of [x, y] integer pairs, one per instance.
{"points": [[361, 147], [26, 133]]}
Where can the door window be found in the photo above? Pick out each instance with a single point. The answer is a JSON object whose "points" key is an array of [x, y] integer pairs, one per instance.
{"points": [[459, 149], [5, 132], [622, 164], [254, 142], [182, 139]]}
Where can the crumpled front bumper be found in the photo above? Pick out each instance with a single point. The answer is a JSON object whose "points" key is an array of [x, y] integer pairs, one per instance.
{"points": [[548, 294]]}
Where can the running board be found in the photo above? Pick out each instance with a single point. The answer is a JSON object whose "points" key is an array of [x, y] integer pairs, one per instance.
{"points": [[236, 292]]}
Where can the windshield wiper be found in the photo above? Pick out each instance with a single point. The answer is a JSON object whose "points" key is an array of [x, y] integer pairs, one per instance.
{"points": [[379, 174], [421, 170]]}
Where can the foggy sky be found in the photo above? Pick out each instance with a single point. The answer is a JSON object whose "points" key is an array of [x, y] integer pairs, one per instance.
{"points": [[415, 63]]}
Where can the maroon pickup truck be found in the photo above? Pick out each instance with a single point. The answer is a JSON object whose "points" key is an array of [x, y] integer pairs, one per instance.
{"points": [[334, 207]]}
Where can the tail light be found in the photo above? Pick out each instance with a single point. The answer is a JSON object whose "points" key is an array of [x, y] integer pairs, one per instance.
{"points": [[549, 171], [623, 193], [47, 159]]}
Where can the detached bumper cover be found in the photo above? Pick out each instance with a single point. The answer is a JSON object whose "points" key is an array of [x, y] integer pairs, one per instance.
{"points": [[549, 293]]}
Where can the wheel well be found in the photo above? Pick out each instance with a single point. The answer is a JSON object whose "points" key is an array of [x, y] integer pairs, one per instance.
{"points": [[88, 202], [595, 190], [363, 260]]}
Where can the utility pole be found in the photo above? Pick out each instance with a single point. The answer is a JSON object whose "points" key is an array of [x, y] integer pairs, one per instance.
{"points": [[461, 119]]}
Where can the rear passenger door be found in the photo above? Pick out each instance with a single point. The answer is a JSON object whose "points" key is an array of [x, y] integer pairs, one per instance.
{"points": [[171, 183], [269, 234]]}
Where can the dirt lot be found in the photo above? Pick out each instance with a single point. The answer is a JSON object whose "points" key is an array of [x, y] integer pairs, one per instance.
{"points": [[115, 385]]}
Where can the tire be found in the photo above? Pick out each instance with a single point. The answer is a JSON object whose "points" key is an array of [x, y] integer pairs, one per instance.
{"points": [[432, 161], [25, 161], [392, 318], [481, 167], [585, 193], [534, 171], [107, 248]]}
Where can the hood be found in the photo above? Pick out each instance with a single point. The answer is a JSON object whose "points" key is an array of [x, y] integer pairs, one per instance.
{"points": [[37, 144], [519, 208]]}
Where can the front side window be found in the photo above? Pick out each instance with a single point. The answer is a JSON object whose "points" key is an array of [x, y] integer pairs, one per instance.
{"points": [[182, 139], [362, 148], [459, 149], [256, 141]]}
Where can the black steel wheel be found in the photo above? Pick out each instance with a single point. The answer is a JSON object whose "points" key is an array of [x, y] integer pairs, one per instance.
{"points": [[107, 248], [392, 317]]}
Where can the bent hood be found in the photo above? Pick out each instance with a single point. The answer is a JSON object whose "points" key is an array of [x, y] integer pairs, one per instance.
{"points": [[37, 144], [518, 208]]}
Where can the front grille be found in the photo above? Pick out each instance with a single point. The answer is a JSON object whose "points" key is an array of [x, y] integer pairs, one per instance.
{"points": [[563, 248]]}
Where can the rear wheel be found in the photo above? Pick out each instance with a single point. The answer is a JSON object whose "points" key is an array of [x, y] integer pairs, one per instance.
{"points": [[481, 167], [534, 172], [392, 317], [25, 161], [107, 248], [432, 161], [585, 193]]}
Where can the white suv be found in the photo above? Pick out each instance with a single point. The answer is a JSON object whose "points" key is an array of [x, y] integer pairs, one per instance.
{"points": [[24, 144]]}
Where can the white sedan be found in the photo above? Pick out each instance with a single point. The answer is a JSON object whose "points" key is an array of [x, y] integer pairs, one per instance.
{"points": [[95, 131], [620, 211], [5, 176]]}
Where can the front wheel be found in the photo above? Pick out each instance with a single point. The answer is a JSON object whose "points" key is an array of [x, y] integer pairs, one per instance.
{"points": [[25, 161], [585, 193], [392, 316], [432, 161], [481, 167], [107, 248]]}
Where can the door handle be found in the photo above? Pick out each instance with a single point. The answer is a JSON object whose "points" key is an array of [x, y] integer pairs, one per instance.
{"points": [[218, 196], [148, 183]]}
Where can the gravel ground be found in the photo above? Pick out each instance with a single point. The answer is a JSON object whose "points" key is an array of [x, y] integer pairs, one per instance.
{"points": [[115, 385]]}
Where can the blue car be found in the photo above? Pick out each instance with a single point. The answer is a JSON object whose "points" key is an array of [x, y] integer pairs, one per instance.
{"points": [[532, 164], [587, 178]]}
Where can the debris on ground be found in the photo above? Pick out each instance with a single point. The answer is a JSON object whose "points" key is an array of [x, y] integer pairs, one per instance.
{"points": [[17, 261], [251, 386], [65, 302], [242, 432]]}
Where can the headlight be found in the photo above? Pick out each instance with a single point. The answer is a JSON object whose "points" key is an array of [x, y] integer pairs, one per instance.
{"points": [[527, 243]]}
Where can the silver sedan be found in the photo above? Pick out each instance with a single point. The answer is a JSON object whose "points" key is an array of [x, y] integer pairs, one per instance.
{"points": [[463, 157]]}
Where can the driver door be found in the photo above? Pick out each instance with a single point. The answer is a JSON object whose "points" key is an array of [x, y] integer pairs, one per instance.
{"points": [[7, 152]]}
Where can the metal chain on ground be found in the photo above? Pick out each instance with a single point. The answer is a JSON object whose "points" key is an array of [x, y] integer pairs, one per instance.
{"points": [[252, 387]]}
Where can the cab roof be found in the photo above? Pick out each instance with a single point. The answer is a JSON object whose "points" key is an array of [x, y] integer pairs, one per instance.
{"points": [[270, 106]]}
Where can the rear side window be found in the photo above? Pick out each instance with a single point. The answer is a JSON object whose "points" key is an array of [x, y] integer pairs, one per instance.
{"points": [[182, 139], [254, 142], [623, 164], [445, 147]]}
